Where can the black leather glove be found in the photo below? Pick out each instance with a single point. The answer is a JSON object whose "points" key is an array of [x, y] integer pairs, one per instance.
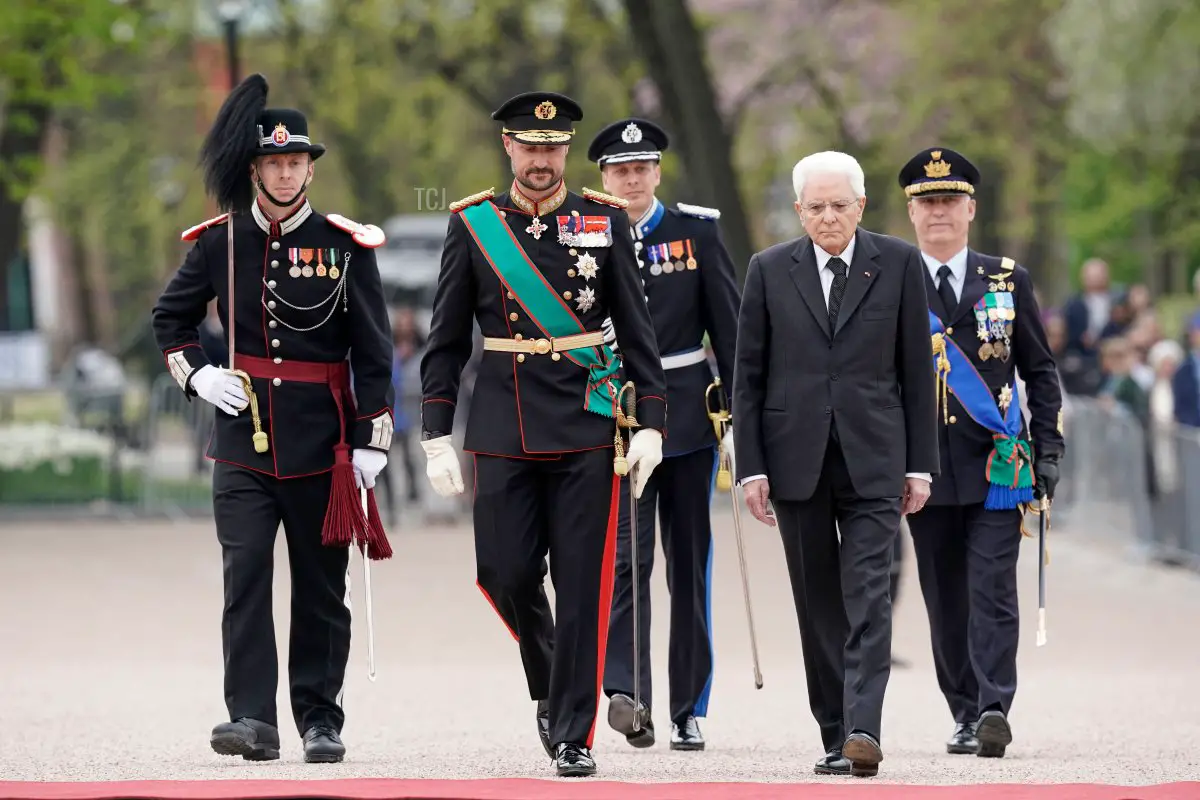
{"points": [[1045, 477]]}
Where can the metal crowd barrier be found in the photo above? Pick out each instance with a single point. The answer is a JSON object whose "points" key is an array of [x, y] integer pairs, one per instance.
{"points": [[1120, 479]]}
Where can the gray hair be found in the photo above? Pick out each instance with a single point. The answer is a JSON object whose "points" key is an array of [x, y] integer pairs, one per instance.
{"points": [[825, 163]]}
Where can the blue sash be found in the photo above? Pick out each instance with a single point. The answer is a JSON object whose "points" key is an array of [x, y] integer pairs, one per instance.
{"points": [[1009, 468]]}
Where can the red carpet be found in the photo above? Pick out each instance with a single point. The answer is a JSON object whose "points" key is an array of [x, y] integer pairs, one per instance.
{"points": [[531, 789]]}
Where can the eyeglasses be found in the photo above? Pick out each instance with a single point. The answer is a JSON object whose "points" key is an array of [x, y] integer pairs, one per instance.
{"points": [[815, 210]]}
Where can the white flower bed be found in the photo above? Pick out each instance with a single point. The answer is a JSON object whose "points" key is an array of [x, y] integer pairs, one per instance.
{"points": [[27, 447]]}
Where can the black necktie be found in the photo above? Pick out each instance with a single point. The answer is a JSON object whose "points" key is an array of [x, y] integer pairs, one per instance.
{"points": [[946, 290], [837, 291]]}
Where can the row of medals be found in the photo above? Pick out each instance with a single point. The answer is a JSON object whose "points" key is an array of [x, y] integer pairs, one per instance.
{"points": [[995, 326], [308, 271], [666, 265]]}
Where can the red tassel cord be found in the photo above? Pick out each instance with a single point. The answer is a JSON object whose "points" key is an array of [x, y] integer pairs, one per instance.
{"points": [[344, 520], [377, 543]]}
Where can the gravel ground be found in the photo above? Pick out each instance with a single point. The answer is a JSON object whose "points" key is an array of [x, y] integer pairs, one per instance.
{"points": [[111, 669]]}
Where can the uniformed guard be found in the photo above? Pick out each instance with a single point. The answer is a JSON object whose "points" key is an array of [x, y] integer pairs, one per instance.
{"points": [[986, 328], [306, 322], [691, 292], [539, 267]]}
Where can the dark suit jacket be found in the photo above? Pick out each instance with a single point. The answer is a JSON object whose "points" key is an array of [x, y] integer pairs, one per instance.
{"points": [[874, 374], [965, 445]]}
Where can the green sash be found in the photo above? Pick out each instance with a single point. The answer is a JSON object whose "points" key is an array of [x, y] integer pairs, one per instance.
{"points": [[544, 306]]}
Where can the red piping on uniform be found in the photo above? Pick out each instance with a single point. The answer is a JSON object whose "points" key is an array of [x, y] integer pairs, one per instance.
{"points": [[607, 575]]}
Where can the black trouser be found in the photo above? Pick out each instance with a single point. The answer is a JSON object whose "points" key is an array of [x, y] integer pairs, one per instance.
{"points": [[967, 565], [525, 509], [681, 488], [249, 507], [842, 597]]}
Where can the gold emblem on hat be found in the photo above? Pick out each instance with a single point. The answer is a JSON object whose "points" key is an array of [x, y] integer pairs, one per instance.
{"points": [[281, 136], [937, 168], [545, 110]]}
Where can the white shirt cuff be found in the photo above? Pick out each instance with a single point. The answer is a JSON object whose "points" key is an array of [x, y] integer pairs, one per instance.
{"points": [[925, 476], [746, 480]]}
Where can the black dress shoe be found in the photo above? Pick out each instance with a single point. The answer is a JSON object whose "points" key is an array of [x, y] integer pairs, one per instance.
{"points": [[251, 739], [994, 734], [864, 753], [543, 725], [322, 745], [833, 763], [574, 761], [687, 736], [624, 720], [963, 742]]}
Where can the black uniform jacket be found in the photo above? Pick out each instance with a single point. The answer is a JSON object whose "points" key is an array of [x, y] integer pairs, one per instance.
{"points": [[305, 291], [965, 444], [532, 405], [872, 376], [691, 290]]}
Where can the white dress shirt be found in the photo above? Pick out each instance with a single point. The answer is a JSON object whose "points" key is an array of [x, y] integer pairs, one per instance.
{"points": [[827, 276], [958, 271]]}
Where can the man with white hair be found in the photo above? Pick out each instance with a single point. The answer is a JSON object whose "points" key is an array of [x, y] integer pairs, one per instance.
{"points": [[834, 394]]}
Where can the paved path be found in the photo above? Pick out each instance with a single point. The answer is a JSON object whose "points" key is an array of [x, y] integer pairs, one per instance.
{"points": [[111, 668]]}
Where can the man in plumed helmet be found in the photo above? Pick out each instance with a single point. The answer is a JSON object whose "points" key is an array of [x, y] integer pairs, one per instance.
{"points": [[539, 267], [304, 423], [986, 327], [692, 293]]}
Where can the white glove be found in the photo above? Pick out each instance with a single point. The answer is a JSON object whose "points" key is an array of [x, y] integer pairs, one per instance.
{"points": [[442, 468], [727, 444], [645, 452], [367, 466], [223, 390]]}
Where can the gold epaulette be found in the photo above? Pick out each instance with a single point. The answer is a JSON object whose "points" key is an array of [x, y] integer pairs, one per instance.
{"points": [[472, 200], [193, 233], [606, 199], [370, 236]]}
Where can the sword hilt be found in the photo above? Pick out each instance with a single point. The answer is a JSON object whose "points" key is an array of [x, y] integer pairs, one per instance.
{"points": [[720, 418]]}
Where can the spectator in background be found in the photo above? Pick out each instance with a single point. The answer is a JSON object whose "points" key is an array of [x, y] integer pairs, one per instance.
{"points": [[1120, 389], [1164, 359], [1087, 314], [1122, 394], [1140, 301], [1185, 384], [406, 356]]}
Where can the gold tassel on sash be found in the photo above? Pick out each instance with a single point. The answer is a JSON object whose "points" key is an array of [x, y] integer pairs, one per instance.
{"points": [[942, 368]]}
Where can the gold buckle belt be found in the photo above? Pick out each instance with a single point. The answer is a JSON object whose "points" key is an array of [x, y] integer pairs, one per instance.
{"points": [[556, 344]]}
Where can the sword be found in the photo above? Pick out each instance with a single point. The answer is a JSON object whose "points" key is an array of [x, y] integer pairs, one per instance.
{"points": [[635, 557], [627, 419], [720, 419], [367, 591], [259, 438], [1043, 525]]}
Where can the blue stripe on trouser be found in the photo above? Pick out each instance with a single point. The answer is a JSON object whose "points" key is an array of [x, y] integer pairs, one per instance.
{"points": [[701, 707]]}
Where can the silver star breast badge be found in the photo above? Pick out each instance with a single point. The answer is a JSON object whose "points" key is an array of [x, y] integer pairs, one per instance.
{"points": [[585, 299], [587, 266]]}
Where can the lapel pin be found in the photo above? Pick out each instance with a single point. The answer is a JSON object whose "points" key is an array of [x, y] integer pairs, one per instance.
{"points": [[979, 270], [866, 274]]}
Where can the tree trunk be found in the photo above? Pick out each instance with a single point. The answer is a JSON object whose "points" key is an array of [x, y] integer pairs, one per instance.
{"points": [[20, 139], [672, 46]]}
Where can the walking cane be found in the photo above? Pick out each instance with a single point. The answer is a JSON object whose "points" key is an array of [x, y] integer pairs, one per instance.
{"points": [[367, 591], [720, 418]]}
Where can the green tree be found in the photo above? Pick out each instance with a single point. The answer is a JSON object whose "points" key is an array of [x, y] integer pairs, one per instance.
{"points": [[48, 50]]}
